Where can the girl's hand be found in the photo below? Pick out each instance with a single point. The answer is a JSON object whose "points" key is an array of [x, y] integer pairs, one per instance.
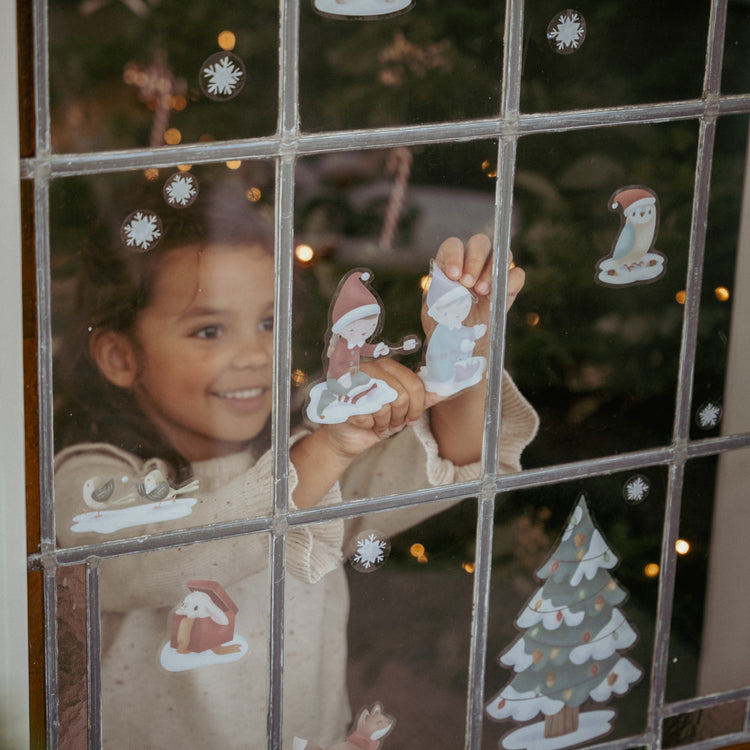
{"points": [[361, 432]]}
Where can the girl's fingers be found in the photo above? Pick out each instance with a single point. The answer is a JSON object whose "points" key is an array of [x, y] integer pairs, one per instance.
{"points": [[476, 266], [516, 280], [450, 257], [409, 403]]}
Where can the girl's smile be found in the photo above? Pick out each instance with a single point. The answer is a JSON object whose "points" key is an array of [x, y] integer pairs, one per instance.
{"points": [[204, 349]]}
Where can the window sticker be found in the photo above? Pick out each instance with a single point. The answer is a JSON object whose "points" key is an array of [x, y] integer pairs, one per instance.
{"points": [[141, 230], [708, 415], [151, 500], [181, 190], [633, 259], [362, 9], [570, 645], [636, 489], [450, 365], [371, 726], [369, 551], [566, 32], [355, 317], [222, 76], [202, 630]]}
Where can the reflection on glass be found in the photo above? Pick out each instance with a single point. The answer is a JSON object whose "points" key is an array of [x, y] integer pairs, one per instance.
{"points": [[703, 725], [146, 73], [163, 322]]}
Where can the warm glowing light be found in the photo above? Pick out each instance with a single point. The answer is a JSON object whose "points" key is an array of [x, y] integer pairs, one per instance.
{"points": [[184, 167], [234, 164], [254, 194], [488, 168], [424, 283], [682, 546], [680, 297], [532, 319], [206, 138], [304, 253], [151, 174], [651, 570], [722, 293], [179, 102], [227, 40], [468, 567], [299, 377], [422, 559], [416, 550], [172, 136]]}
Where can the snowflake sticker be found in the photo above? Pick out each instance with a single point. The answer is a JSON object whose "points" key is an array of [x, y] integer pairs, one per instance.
{"points": [[181, 190], [636, 489], [708, 416], [370, 551], [222, 76], [566, 32], [141, 230]]}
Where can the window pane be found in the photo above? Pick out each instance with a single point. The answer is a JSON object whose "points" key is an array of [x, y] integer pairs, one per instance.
{"points": [[145, 73], [163, 340], [184, 646], [408, 631], [596, 58], [594, 339], [735, 78], [438, 61], [573, 601]]}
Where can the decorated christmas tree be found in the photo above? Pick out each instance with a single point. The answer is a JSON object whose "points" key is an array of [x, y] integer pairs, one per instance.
{"points": [[569, 649]]}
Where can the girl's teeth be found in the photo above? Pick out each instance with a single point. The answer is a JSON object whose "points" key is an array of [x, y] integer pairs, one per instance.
{"points": [[250, 393]]}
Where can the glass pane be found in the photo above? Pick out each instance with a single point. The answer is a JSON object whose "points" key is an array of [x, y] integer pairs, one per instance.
{"points": [[594, 339], [408, 632], [573, 600], [708, 652], [438, 61], [721, 374], [735, 77], [146, 73], [706, 724], [163, 340], [185, 646], [588, 59]]}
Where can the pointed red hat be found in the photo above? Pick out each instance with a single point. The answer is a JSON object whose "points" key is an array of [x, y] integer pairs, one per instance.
{"points": [[354, 300]]}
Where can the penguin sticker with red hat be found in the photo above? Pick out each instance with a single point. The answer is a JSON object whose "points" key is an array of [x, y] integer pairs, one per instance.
{"points": [[355, 318], [633, 259]]}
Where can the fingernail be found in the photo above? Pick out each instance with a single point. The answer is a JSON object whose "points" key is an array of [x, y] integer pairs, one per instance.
{"points": [[482, 287], [467, 280], [453, 272]]}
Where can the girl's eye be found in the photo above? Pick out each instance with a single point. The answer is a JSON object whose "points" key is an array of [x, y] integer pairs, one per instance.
{"points": [[208, 332], [266, 324]]}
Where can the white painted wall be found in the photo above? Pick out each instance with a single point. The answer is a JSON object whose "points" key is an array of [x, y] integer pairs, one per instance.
{"points": [[14, 717]]}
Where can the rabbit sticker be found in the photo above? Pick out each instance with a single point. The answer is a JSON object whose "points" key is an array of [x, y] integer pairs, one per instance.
{"points": [[202, 630], [371, 726]]}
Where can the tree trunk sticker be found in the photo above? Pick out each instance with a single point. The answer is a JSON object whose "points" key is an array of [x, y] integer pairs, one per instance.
{"points": [[202, 630], [633, 259], [569, 650]]}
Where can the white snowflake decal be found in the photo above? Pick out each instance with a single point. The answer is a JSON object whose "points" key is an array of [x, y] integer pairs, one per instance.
{"points": [[371, 552], [141, 230], [181, 190], [566, 32], [222, 76], [709, 415], [636, 489]]}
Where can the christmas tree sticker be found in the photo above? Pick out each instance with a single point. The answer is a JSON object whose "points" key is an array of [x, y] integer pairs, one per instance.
{"points": [[570, 648]]}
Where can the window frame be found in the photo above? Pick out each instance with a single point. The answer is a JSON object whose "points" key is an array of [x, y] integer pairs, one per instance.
{"points": [[285, 147]]}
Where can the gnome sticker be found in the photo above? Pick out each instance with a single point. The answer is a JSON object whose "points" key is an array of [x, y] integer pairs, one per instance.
{"points": [[355, 317], [450, 365], [633, 259]]}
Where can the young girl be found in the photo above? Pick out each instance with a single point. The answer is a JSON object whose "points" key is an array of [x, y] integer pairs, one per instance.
{"points": [[167, 372]]}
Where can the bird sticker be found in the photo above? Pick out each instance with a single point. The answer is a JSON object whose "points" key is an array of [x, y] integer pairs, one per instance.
{"points": [[121, 503], [633, 259]]}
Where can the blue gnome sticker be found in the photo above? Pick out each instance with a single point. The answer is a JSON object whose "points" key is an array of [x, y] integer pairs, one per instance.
{"points": [[355, 319], [450, 365], [633, 259]]}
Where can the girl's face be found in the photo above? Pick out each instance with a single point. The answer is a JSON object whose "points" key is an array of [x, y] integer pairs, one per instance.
{"points": [[204, 348]]}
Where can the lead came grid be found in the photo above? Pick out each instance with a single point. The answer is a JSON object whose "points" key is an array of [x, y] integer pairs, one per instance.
{"points": [[285, 147]]}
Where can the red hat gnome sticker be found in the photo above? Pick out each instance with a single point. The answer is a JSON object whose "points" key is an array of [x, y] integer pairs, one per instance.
{"points": [[202, 630], [633, 259], [450, 365], [355, 317], [371, 726], [573, 635]]}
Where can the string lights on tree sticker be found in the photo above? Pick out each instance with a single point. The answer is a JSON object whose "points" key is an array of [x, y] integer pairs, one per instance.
{"points": [[569, 650]]}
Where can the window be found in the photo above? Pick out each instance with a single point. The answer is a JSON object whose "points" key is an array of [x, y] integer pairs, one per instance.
{"points": [[363, 138]]}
